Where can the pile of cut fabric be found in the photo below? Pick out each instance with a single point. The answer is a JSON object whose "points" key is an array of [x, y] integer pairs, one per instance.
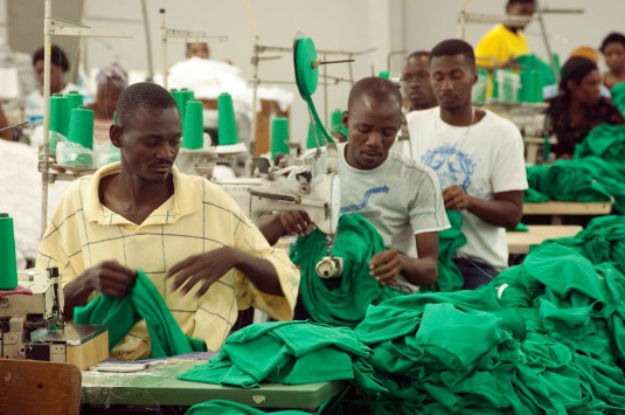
{"points": [[595, 174]]}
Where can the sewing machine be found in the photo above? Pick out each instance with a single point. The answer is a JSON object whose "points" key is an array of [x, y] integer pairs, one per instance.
{"points": [[32, 326], [310, 184]]}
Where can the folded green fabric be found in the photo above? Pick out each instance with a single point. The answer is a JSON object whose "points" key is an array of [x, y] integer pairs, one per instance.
{"points": [[222, 407], [119, 315], [289, 352], [618, 96], [341, 301]]}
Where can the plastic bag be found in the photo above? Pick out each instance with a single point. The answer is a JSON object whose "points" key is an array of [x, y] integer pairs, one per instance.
{"points": [[73, 155]]}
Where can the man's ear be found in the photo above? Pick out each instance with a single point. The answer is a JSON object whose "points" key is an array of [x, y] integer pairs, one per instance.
{"points": [[345, 119], [115, 134]]}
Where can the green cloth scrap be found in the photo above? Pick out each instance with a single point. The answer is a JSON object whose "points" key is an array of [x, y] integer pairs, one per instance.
{"points": [[119, 315], [289, 352], [341, 301], [222, 407], [449, 241], [595, 174], [618, 96]]}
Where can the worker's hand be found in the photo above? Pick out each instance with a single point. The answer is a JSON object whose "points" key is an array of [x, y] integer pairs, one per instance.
{"points": [[202, 269], [456, 198], [296, 223], [385, 266], [110, 278]]}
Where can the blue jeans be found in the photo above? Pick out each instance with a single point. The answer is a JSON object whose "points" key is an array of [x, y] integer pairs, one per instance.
{"points": [[475, 273]]}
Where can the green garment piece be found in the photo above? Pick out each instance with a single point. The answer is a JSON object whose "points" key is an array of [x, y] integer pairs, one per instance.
{"points": [[289, 352], [341, 301], [594, 175], [449, 241], [618, 96], [521, 227], [222, 407], [532, 62], [119, 315]]}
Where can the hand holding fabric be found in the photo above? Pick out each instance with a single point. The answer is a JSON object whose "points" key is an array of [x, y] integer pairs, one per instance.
{"points": [[456, 198], [204, 268], [296, 222], [385, 266], [110, 278]]}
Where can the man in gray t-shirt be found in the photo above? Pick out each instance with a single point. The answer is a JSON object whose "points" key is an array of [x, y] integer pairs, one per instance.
{"points": [[400, 197]]}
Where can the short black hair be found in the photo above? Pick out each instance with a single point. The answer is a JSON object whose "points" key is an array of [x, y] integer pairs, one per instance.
{"points": [[142, 95], [418, 54], [375, 87], [613, 37], [453, 47], [511, 2], [575, 69], [57, 57]]}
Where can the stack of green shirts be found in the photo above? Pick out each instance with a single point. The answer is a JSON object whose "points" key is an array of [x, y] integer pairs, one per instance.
{"points": [[341, 301], [547, 336], [291, 353], [222, 407], [595, 174]]}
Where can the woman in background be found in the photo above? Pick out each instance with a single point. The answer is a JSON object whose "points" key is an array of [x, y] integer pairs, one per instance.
{"points": [[59, 66], [579, 107], [613, 50], [110, 81]]}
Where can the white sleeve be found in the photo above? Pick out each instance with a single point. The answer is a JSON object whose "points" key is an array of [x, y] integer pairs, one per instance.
{"points": [[508, 171], [427, 210]]}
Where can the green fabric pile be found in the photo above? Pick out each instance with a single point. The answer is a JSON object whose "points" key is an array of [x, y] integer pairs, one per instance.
{"points": [[289, 352], [119, 315], [341, 301], [595, 174], [603, 240], [449, 241], [544, 337], [222, 407]]}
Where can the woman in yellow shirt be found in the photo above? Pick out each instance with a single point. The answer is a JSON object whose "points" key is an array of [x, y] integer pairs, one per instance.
{"points": [[506, 41]]}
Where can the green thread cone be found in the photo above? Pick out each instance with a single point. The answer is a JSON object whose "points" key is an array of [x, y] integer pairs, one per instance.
{"points": [[75, 99], [81, 127], [8, 262], [59, 114], [384, 74], [527, 86], [193, 126], [186, 95], [537, 82], [336, 120], [279, 136], [227, 125]]}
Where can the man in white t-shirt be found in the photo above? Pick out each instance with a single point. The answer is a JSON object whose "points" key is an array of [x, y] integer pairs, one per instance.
{"points": [[478, 157], [399, 196]]}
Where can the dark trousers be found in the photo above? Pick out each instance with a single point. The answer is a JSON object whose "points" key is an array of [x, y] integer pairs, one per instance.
{"points": [[475, 273]]}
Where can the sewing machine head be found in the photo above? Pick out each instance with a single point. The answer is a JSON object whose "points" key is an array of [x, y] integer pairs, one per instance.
{"points": [[311, 185]]}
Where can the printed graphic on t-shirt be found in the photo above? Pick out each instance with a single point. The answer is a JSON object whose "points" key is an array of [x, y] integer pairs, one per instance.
{"points": [[365, 199], [452, 166]]}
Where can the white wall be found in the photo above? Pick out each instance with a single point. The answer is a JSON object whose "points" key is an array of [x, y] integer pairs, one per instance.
{"points": [[332, 24], [428, 22]]}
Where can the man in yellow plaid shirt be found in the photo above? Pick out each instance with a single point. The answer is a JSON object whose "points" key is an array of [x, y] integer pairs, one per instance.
{"points": [[204, 256]]}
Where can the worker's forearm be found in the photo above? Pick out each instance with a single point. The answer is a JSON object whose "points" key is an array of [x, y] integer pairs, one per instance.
{"points": [[422, 272], [271, 228], [260, 271], [75, 294], [502, 213]]}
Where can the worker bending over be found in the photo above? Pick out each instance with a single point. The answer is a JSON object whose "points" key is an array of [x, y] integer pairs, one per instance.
{"points": [[478, 157], [400, 197], [206, 259]]}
